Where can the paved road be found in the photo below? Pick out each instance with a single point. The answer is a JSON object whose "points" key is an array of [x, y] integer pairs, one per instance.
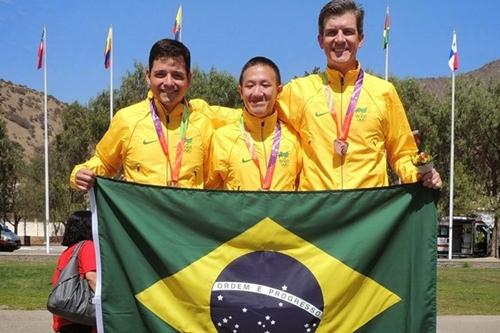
{"points": [[41, 322]]}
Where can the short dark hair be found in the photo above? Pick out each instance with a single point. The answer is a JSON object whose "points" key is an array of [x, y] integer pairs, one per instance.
{"points": [[338, 8], [261, 61], [169, 48], [78, 227]]}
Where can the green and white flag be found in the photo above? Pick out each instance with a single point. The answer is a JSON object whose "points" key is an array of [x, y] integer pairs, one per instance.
{"points": [[180, 260]]}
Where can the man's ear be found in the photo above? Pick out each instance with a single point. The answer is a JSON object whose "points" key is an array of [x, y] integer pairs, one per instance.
{"points": [[320, 41], [361, 40], [239, 90], [279, 88]]}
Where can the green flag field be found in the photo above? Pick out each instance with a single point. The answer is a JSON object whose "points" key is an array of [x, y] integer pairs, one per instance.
{"points": [[178, 260]]}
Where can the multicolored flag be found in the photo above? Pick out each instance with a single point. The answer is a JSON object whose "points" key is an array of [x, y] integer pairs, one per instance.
{"points": [[41, 50], [387, 27], [107, 49], [453, 60], [178, 260], [178, 24]]}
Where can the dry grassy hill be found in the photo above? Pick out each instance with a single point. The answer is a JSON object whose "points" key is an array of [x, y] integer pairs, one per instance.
{"points": [[22, 109], [440, 86]]}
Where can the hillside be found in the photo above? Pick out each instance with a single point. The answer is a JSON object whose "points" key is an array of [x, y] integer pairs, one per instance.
{"points": [[439, 87], [22, 109]]}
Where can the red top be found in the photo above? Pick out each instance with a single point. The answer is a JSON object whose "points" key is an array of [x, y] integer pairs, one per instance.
{"points": [[86, 263]]}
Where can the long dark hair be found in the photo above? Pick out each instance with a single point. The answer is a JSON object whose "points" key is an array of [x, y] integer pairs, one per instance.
{"points": [[78, 227]]}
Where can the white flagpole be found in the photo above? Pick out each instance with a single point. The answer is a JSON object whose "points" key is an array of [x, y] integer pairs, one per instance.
{"points": [[452, 160], [46, 142], [111, 77]]}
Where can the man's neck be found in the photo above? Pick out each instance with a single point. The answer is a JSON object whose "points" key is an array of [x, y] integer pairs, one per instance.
{"points": [[343, 68], [260, 116], [167, 109]]}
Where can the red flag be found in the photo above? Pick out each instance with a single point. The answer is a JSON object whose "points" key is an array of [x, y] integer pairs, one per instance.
{"points": [[41, 50]]}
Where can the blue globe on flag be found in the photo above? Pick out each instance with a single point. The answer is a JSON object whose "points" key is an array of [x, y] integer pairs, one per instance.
{"points": [[267, 292]]}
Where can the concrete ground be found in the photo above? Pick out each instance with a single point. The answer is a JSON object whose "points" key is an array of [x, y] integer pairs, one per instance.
{"points": [[41, 322]]}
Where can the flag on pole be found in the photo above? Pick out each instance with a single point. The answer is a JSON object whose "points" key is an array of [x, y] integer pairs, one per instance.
{"points": [[178, 24], [453, 61], [176, 260], [387, 27], [41, 50], [107, 49]]}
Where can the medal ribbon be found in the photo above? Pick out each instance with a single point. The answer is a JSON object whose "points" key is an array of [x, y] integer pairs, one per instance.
{"points": [[350, 110], [265, 182], [175, 171]]}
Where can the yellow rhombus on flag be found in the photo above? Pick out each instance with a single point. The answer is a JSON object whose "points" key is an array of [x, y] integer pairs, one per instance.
{"points": [[350, 299]]}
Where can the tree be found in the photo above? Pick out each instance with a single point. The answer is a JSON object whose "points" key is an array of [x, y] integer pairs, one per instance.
{"points": [[11, 165], [217, 88], [72, 146], [133, 87], [478, 137], [31, 188]]}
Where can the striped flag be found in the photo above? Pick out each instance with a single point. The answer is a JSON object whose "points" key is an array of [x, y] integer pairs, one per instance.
{"points": [[107, 49], [387, 27], [178, 24], [41, 50], [453, 60]]}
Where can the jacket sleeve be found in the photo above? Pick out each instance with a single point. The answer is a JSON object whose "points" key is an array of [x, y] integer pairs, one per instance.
{"points": [[216, 171], [109, 152], [400, 144], [290, 105], [219, 115]]}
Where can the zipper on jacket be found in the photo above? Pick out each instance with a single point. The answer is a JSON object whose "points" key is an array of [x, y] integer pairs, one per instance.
{"points": [[167, 118], [342, 157], [262, 123]]}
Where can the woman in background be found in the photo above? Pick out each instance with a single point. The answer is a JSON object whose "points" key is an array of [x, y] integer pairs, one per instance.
{"points": [[78, 228]]}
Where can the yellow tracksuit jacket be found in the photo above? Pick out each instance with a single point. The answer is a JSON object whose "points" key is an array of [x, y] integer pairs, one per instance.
{"points": [[231, 166], [379, 132], [131, 143]]}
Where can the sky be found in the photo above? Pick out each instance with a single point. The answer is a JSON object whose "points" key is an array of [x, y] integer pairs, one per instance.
{"points": [[224, 34]]}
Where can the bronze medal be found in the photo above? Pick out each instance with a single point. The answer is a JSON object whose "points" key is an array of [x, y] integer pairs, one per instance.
{"points": [[340, 147]]}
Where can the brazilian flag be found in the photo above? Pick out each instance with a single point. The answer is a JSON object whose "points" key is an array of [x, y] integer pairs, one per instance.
{"points": [[181, 260]]}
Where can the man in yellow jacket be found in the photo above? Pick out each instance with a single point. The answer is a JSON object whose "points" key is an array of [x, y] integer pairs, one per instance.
{"points": [[257, 152], [350, 123], [163, 140]]}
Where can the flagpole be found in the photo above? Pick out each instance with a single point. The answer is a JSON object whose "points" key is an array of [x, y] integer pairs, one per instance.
{"points": [[46, 142], [452, 156], [111, 77], [452, 162]]}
